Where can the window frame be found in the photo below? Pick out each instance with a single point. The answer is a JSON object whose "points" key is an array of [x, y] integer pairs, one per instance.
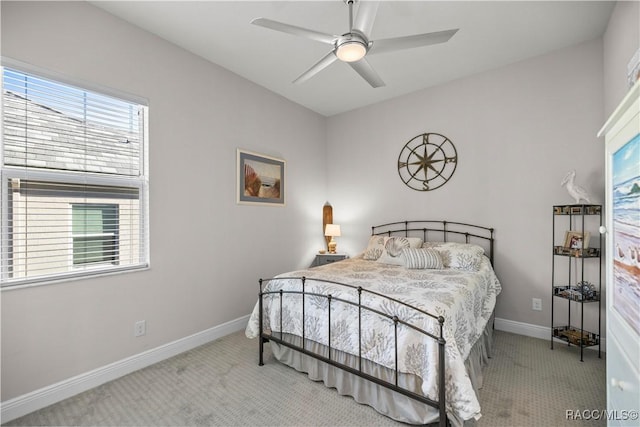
{"points": [[140, 182]]}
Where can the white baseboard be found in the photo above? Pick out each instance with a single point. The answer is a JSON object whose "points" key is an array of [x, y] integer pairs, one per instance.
{"points": [[534, 331], [38, 399], [525, 329]]}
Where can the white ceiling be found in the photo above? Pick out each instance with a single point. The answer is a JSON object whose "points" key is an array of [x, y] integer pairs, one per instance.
{"points": [[492, 34]]}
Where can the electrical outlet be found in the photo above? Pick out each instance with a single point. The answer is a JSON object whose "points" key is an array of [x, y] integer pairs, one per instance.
{"points": [[140, 328], [536, 304]]}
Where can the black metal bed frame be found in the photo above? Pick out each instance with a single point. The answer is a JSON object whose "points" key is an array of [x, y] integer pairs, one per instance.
{"points": [[467, 232]]}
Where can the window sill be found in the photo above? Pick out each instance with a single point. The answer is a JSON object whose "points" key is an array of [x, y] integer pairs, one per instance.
{"points": [[52, 281]]}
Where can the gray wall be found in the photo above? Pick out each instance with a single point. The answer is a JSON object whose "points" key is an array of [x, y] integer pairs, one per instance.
{"points": [[621, 41], [206, 252], [517, 131]]}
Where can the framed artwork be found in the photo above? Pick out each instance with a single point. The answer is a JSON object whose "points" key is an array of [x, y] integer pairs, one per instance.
{"points": [[576, 240], [626, 232], [260, 179]]}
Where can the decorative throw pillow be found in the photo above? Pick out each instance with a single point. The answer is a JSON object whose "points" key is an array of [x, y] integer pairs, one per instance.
{"points": [[374, 248], [422, 258], [392, 253], [377, 243], [459, 256], [415, 242]]}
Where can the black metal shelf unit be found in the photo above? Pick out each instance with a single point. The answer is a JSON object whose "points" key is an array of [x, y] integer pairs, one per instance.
{"points": [[581, 222]]}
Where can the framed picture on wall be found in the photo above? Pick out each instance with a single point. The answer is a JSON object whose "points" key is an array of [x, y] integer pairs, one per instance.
{"points": [[260, 179]]}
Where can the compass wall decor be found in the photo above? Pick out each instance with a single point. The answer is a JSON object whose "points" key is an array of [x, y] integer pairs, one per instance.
{"points": [[427, 161]]}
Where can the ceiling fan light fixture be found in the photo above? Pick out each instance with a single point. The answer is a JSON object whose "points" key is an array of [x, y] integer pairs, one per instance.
{"points": [[351, 51]]}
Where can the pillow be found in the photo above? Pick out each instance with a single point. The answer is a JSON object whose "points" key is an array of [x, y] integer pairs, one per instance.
{"points": [[392, 253], [374, 248], [414, 242], [376, 245], [422, 258], [458, 256]]}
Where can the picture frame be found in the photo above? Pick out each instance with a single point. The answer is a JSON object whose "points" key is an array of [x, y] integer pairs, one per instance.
{"points": [[576, 240], [260, 179], [576, 210]]}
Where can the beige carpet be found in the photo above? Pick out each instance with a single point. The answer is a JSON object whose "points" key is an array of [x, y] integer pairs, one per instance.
{"points": [[220, 384], [527, 384]]}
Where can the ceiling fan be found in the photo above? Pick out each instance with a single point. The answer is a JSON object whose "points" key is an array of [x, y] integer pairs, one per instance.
{"points": [[353, 46]]}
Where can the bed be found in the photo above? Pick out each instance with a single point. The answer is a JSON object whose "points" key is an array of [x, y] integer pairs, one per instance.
{"points": [[404, 327]]}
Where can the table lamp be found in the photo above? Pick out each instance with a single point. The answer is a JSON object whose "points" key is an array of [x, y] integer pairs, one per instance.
{"points": [[332, 230]]}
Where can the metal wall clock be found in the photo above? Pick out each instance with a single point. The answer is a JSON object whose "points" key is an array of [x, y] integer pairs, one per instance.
{"points": [[427, 161]]}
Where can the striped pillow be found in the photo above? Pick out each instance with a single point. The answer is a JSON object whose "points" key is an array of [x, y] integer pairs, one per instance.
{"points": [[422, 258]]}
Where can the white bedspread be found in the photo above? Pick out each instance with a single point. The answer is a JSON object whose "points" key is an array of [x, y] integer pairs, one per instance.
{"points": [[465, 300]]}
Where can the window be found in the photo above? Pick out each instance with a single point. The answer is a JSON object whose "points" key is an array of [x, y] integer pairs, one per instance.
{"points": [[74, 181], [95, 234]]}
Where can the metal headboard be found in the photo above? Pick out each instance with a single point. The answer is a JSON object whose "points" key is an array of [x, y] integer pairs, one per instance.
{"points": [[440, 231]]}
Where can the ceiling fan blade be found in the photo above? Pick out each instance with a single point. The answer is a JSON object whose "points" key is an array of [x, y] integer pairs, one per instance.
{"points": [[367, 72], [366, 16], [317, 67], [296, 31], [408, 42]]}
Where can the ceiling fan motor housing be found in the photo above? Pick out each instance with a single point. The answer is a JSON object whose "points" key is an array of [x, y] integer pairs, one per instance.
{"points": [[351, 47]]}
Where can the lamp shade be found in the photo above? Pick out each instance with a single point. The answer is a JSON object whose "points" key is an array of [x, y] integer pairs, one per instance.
{"points": [[332, 230]]}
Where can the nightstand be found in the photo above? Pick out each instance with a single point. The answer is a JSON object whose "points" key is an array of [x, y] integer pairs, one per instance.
{"points": [[324, 259]]}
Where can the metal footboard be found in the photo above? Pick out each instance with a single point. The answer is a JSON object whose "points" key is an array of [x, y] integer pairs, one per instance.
{"points": [[278, 337]]}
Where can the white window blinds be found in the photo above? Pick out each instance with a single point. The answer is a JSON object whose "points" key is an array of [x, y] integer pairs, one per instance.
{"points": [[74, 181]]}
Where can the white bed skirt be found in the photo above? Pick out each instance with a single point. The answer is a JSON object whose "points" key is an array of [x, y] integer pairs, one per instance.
{"points": [[386, 401]]}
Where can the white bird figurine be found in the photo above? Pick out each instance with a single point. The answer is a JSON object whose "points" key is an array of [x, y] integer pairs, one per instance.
{"points": [[575, 191]]}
